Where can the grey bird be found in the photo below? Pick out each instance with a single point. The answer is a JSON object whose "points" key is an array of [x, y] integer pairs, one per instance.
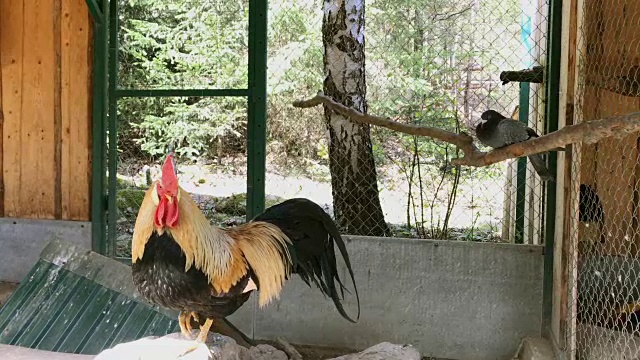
{"points": [[496, 131]]}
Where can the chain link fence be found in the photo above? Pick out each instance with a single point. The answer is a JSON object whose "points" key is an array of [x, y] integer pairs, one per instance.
{"points": [[427, 63], [604, 235], [430, 63], [184, 44], [216, 182]]}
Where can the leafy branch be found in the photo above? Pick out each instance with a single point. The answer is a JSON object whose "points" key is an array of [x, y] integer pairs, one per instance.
{"points": [[587, 132]]}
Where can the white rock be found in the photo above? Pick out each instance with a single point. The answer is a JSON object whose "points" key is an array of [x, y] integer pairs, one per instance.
{"points": [[175, 347], [266, 352], [219, 347], [384, 351]]}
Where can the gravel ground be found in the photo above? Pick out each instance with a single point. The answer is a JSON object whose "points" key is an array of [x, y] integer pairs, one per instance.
{"points": [[478, 202]]}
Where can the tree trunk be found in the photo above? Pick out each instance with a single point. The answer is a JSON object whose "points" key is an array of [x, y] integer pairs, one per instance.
{"points": [[354, 184]]}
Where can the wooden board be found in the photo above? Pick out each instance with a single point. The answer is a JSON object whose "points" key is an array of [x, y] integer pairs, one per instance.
{"points": [[37, 131], [46, 54], [616, 41], [76, 72], [616, 172], [588, 165], [11, 59], [1, 122], [620, 36], [565, 216]]}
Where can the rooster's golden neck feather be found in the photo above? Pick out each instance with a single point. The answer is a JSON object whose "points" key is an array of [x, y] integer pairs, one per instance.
{"points": [[206, 247], [223, 255]]}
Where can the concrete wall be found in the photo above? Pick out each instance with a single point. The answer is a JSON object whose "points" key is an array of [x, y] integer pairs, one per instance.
{"points": [[22, 240], [455, 300]]}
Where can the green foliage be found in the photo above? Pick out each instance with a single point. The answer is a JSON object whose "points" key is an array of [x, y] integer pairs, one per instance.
{"points": [[128, 201], [419, 60], [190, 128], [414, 55], [181, 44], [236, 204]]}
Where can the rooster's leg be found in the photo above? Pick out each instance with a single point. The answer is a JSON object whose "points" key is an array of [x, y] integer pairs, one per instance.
{"points": [[204, 331], [183, 321], [193, 315]]}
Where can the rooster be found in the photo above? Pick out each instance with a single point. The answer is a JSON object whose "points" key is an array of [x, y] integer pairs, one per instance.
{"points": [[181, 262]]}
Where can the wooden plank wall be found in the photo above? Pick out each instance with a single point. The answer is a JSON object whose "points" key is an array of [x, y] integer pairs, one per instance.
{"points": [[46, 54], [603, 45], [612, 39]]}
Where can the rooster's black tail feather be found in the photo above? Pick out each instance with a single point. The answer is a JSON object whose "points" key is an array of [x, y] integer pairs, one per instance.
{"points": [[313, 235]]}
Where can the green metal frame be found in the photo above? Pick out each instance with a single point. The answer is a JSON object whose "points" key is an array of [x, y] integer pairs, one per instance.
{"points": [[105, 112], [100, 10], [96, 10], [552, 107], [112, 210], [257, 107], [521, 177]]}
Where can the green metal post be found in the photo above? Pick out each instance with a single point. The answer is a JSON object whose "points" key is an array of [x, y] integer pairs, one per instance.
{"points": [[257, 107], [553, 102], [521, 179], [98, 198], [96, 11], [113, 128]]}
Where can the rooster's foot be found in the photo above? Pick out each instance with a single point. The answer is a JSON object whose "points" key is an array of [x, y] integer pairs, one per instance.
{"points": [[204, 331], [184, 320]]}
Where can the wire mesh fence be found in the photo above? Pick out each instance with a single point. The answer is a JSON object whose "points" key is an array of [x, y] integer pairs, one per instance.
{"points": [[604, 257], [182, 45], [426, 63], [216, 182]]}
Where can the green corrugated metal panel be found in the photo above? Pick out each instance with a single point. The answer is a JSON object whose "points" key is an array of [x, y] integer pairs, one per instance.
{"points": [[78, 301]]}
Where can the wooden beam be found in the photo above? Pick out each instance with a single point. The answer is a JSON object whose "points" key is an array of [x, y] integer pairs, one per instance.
{"points": [[37, 166], [11, 57], [568, 276], [76, 73], [1, 129], [57, 109]]}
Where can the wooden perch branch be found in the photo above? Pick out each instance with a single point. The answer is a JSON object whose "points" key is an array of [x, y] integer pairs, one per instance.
{"points": [[587, 132], [291, 352], [462, 141]]}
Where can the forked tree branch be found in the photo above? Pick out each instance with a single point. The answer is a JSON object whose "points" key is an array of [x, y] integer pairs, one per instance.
{"points": [[587, 132]]}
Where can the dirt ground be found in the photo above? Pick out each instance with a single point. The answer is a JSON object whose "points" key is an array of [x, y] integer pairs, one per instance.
{"points": [[310, 352], [6, 289], [321, 353]]}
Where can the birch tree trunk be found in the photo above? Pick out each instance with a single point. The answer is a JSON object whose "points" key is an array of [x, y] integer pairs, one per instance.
{"points": [[356, 201]]}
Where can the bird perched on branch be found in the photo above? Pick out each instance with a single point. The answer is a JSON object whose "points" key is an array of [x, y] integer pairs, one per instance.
{"points": [[497, 131], [182, 262]]}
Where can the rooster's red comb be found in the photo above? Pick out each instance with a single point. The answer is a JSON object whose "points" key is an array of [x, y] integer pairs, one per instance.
{"points": [[169, 176]]}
